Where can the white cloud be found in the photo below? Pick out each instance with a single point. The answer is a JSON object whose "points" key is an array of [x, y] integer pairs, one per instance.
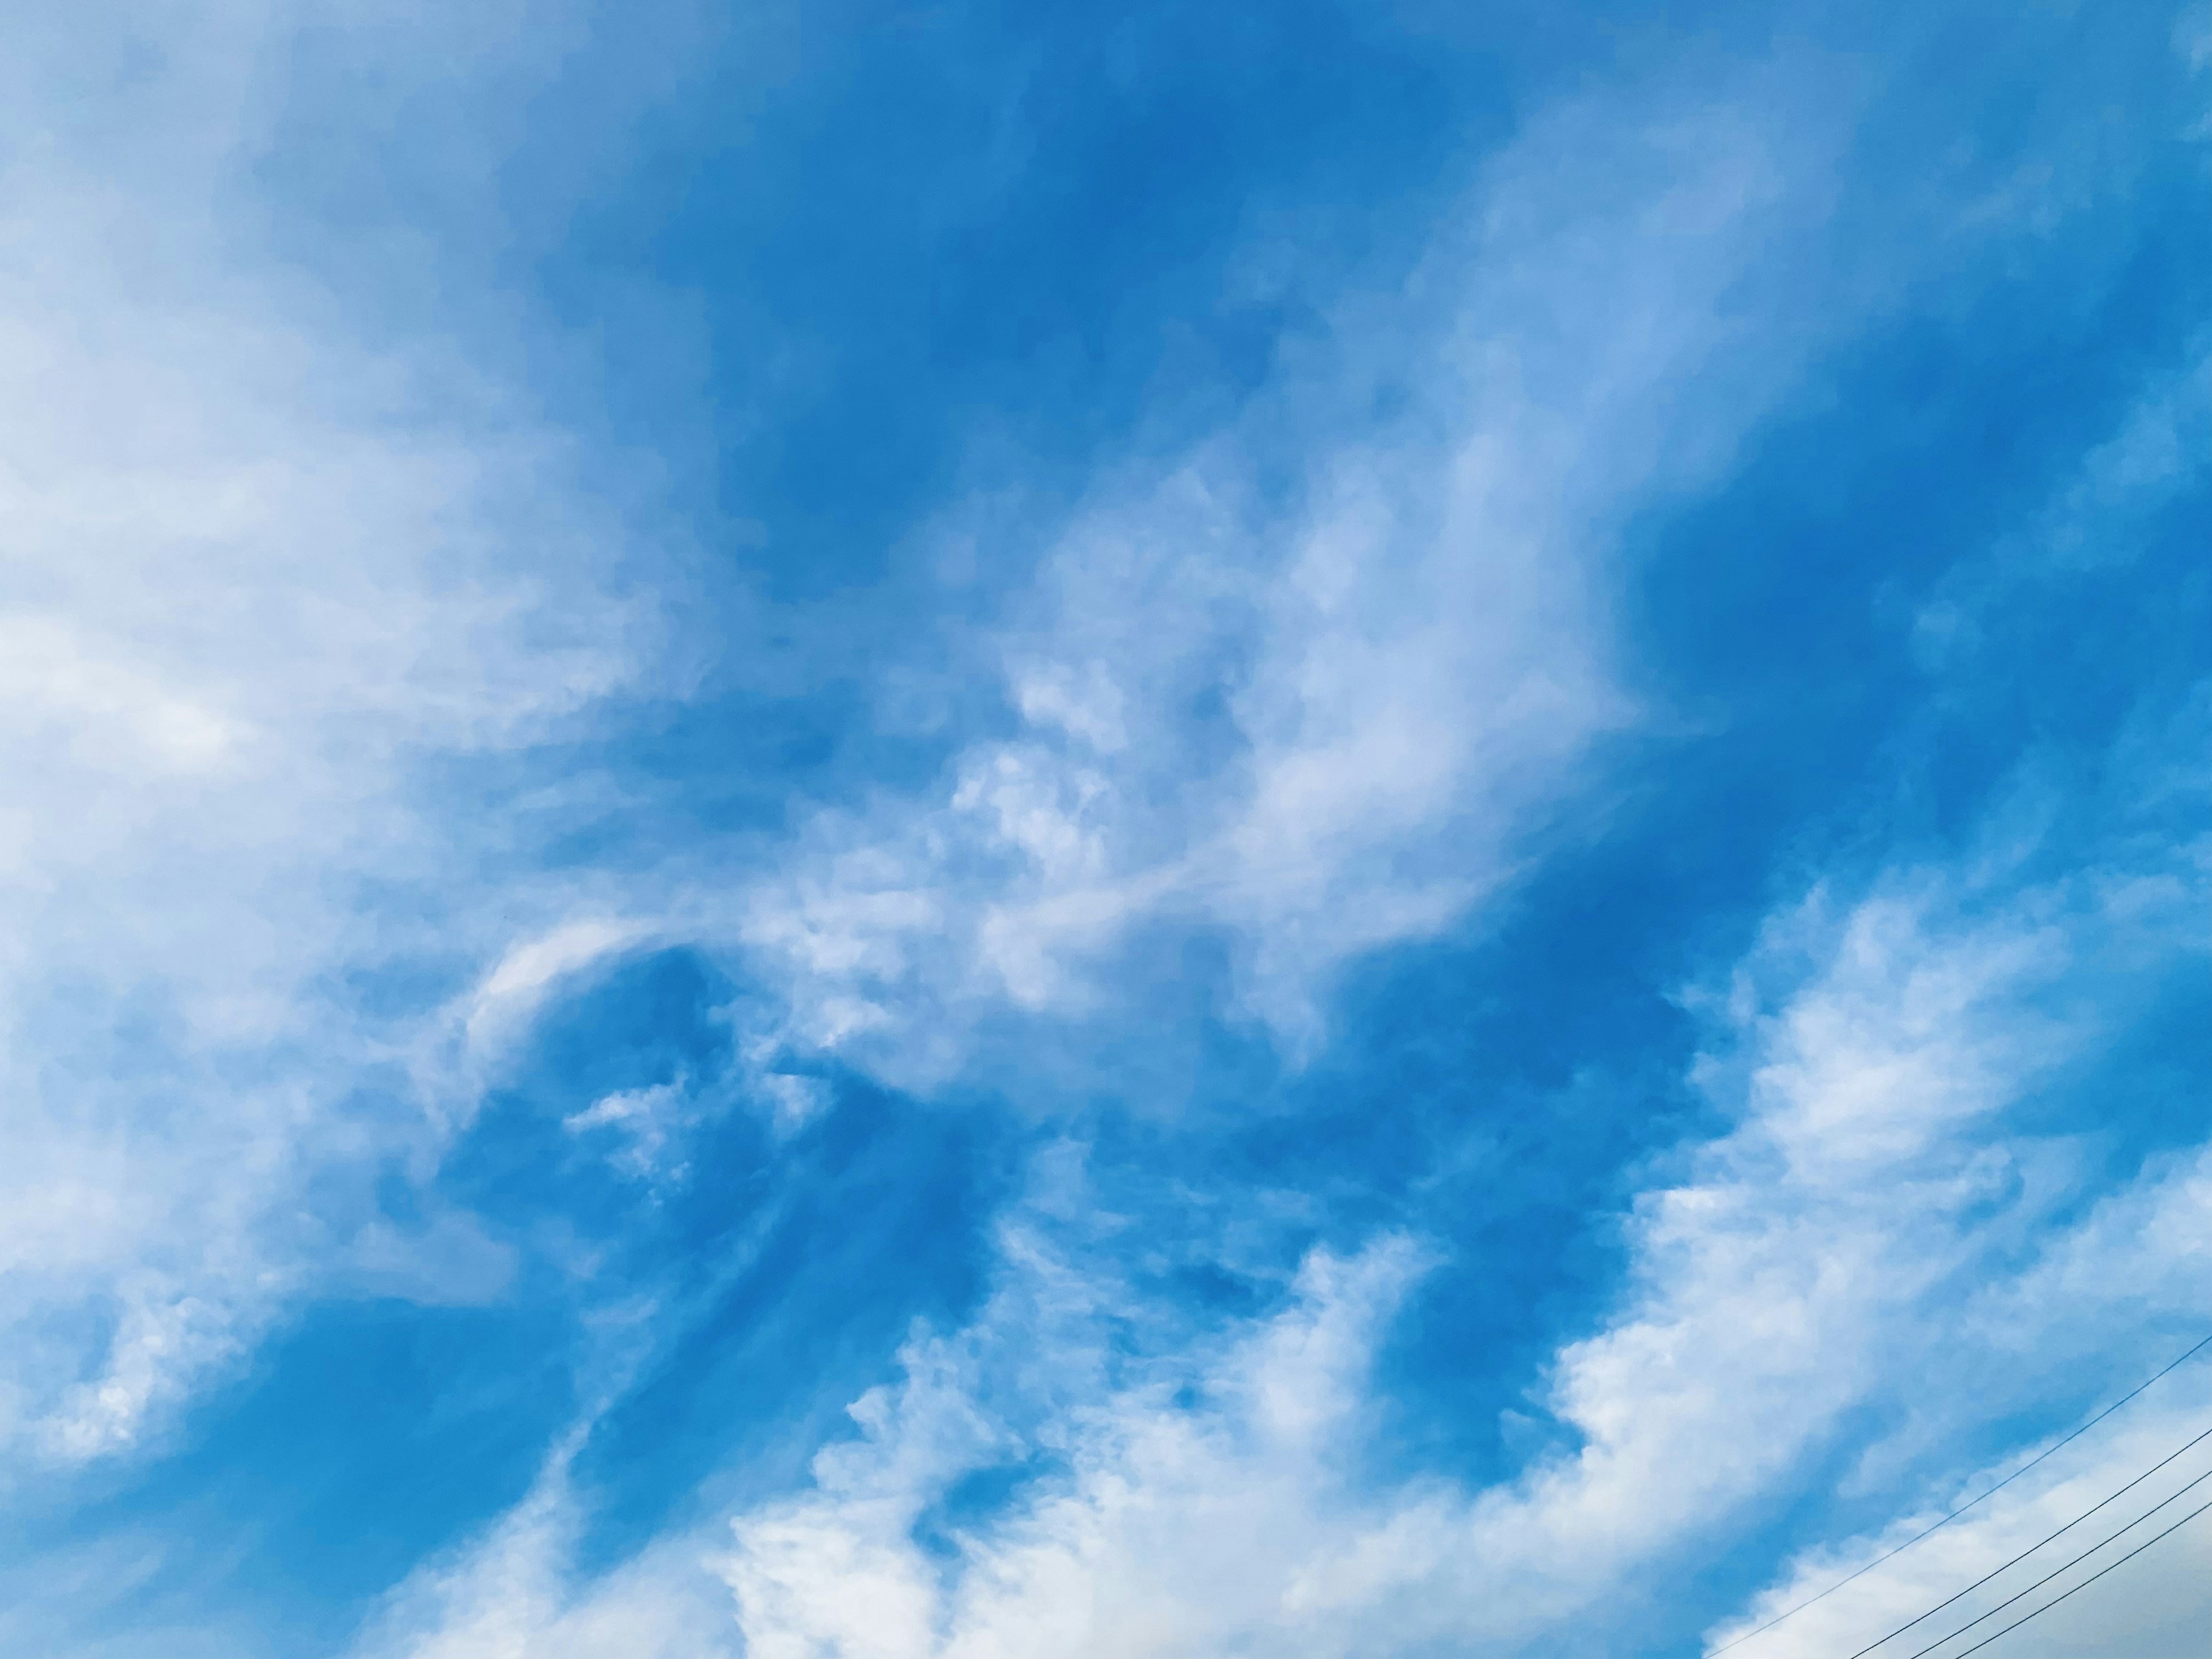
{"points": [[511, 1596], [1840, 1257], [1855, 1273], [2138, 1259], [1871, 1270], [1327, 720], [258, 572], [512, 994], [838, 1571], [252, 587], [646, 1119], [2095, 520], [1167, 1531], [1213, 1497]]}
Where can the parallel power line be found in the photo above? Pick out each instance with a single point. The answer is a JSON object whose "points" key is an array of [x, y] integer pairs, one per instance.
{"points": [[2085, 1582], [2047, 1538], [2067, 1565], [2056, 1446]]}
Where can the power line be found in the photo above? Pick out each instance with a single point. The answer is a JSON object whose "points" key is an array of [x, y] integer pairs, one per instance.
{"points": [[2075, 1562], [1792, 1612], [2085, 1582], [2032, 1548]]}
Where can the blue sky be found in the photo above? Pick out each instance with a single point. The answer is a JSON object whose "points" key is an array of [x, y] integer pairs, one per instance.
{"points": [[941, 833]]}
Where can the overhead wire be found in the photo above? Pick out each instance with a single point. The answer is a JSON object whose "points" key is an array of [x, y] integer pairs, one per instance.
{"points": [[2032, 1548], [1792, 1612], [2085, 1582], [2064, 1566]]}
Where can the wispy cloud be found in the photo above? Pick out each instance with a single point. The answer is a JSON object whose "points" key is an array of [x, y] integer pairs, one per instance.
{"points": [[1321, 720], [1772, 1294], [259, 574], [1847, 1278], [290, 601]]}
